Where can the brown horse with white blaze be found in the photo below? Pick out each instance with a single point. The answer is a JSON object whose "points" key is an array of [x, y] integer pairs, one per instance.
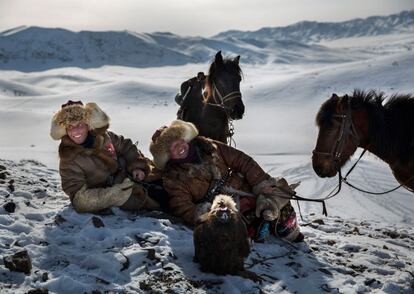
{"points": [[365, 120]]}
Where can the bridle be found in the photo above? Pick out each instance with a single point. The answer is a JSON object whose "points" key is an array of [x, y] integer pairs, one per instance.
{"points": [[347, 129], [221, 100]]}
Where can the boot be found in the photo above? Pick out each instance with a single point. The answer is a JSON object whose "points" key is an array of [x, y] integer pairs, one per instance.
{"points": [[287, 227]]}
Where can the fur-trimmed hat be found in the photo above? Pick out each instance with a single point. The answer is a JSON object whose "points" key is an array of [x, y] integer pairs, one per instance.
{"points": [[164, 137], [72, 112]]}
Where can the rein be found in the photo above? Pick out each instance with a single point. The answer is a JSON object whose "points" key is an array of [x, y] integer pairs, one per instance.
{"points": [[344, 180], [347, 129], [335, 191], [338, 188]]}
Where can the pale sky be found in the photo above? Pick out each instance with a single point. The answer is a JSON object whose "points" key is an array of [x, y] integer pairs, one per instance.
{"points": [[186, 17]]}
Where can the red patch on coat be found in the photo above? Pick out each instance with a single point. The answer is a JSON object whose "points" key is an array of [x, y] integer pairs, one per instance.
{"points": [[111, 149], [291, 222]]}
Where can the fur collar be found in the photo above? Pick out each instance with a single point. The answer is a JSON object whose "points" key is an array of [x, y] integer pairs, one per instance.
{"points": [[209, 162], [69, 150]]}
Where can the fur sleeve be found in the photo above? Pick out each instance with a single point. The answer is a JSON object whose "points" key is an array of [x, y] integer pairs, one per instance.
{"points": [[72, 178], [133, 157], [180, 200], [240, 162]]}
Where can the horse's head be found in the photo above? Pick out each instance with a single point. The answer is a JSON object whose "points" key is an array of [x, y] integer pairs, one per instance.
{"points": [[337, 139], [223, 85]]}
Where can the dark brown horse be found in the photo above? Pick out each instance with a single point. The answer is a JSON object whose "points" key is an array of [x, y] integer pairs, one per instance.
{"points": [[364, 120], [213, 102]]}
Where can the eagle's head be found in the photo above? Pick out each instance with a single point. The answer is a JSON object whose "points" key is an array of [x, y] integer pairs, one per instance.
{"points": [[223, 206]]}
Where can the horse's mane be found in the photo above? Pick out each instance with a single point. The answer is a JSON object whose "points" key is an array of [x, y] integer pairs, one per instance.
{"points": [[229, 65], [390, 120]]}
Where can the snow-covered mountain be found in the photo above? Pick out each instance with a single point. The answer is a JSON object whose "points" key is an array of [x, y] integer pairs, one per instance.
{"points": [[312, 31], [35, 48], [48, 48]]}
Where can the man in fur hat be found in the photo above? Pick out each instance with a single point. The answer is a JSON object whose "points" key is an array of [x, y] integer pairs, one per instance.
{"points": [[96, 166], [195, 169]]}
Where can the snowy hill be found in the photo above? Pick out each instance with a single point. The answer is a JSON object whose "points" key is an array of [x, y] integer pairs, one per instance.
{"points": [[47, 48], [311, 31], [128, 253], [35, 48]]}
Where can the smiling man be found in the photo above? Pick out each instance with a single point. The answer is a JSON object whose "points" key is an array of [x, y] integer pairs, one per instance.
{"points": [[196, 169], [98, 168]]}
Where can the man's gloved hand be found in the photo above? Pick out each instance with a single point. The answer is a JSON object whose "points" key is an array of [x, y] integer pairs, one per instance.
{"points": [[122, 192], [91, 200], [267, 207], [285, 187], [273, 195]]}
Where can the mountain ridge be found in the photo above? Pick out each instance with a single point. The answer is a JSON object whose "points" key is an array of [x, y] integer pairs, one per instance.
{"points": [[386, 24], [36, 48]]}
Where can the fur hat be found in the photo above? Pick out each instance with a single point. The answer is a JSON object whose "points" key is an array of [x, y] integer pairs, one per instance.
{"points": [[72, 112], [164, 137]]}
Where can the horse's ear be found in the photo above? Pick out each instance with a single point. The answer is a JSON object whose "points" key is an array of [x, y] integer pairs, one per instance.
{"points": [[219, 58], [342, 104], [237, 59], [334, 96]]}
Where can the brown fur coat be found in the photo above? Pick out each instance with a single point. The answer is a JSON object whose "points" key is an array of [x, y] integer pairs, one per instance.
{"points": [[188, 183], [95, 168]]}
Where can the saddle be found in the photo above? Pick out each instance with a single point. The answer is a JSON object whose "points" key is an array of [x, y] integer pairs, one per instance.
{"points": [[186, 89]]}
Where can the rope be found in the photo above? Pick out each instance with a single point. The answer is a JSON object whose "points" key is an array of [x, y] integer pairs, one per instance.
{"points": [[345, 180], [378, 193], [300, 211]]}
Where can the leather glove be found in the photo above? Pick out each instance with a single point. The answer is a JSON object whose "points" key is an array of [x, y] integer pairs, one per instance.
{"points": [[90, 200], [122, 192], [267, 207]]}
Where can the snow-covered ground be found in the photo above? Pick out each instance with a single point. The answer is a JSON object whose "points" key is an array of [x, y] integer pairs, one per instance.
{"points": [[365, 245], [127, 253]]}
